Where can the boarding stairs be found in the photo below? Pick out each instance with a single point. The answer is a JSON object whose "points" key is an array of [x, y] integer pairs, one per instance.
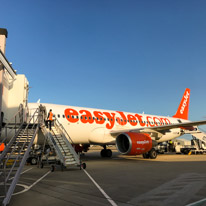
{"points": [[16, 152], [198, 145], [58, 139]]}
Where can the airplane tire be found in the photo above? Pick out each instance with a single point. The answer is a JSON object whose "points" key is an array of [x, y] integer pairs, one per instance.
{"points": [[103, 153], [108, 153], [146, 155], [152, 154]]}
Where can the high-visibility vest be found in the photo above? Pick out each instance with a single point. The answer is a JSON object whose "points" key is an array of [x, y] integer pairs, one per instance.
{"points": [[2, 146], [50, 116]]}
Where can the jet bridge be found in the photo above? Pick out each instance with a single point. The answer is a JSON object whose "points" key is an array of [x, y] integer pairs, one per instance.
{"points": [[13, 87]]}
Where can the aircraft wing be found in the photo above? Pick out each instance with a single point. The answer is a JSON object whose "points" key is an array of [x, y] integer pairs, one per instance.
{"points": [[161, 129]]}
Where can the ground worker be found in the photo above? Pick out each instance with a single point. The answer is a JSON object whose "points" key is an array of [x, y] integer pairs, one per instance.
{"points": [[50, 118], [2, 146], [171, 146]]}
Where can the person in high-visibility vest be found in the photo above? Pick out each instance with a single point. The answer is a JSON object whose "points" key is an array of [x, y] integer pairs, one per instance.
{"points": [[171, 146], [2, 146], [50, 118]]}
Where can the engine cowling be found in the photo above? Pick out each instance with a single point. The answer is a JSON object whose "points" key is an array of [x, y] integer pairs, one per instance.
{"points": [[130, 143]]}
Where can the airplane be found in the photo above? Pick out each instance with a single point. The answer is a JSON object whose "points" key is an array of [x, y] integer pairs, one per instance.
{"points": [[132, 133]]}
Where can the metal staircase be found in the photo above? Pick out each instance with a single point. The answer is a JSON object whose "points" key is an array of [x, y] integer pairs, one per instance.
{"points": [[16, 152], [58, 139]]}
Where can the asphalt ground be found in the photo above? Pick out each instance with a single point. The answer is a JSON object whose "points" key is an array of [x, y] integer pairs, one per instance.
{"points": [[124, 181]]}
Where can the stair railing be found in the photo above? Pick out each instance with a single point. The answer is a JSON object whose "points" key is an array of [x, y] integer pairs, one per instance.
{"points": [[52, 141], [23, 161], [62, 129], [15, 122], [17, 133], [66, 136]]}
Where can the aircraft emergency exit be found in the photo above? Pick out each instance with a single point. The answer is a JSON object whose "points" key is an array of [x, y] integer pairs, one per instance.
{"points": [[132, 133]]}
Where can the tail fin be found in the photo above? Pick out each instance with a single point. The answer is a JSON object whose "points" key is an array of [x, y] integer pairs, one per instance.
{"points": [[183, 109]]}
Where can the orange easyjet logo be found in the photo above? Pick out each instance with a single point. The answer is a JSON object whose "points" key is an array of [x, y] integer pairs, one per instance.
{"points": [[184, 104], [110, 118]]}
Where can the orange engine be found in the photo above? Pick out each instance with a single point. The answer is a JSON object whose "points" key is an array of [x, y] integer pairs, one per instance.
{"points": [[130, 143]]}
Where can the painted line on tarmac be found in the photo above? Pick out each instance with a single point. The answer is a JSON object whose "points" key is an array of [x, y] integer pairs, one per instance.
{"points": [[22, 172], [197, 203], [1, 183], [39, 179], [101, 190], [26, 188]]}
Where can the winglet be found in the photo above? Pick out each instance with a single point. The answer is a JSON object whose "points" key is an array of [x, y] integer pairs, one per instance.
{"points": [[183, 109], [38, 101]]}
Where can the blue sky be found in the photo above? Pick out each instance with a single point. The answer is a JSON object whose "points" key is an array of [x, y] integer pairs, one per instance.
{"points": [[127, 55]]}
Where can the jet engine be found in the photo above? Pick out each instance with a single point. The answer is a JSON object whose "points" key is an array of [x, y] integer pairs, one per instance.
{"points": [[130, 143]]}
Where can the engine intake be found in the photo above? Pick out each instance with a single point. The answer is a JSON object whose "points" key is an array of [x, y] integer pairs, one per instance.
{"points": [[131, 143]]}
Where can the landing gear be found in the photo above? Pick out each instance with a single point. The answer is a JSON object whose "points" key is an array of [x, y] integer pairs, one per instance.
{"points": [[106, 152], [145, 155], [152, 154]]}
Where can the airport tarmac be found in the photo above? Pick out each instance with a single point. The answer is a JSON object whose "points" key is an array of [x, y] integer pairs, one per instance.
{"points": [[121, 180]]}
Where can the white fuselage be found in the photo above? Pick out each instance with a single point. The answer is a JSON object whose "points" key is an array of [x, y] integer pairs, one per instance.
{"points": [[93, 126]]}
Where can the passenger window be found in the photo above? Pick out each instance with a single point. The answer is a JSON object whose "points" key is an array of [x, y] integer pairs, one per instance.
{"points": [[63, 116], [68, 116], [58, 115]]}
